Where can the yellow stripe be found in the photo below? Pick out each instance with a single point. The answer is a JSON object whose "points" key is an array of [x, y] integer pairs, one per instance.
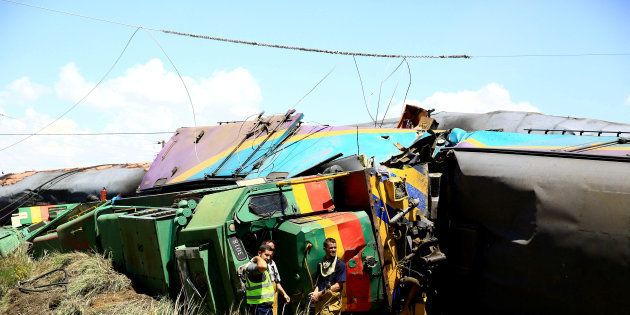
{"points": [[610, 149], [36, 215], [304, 180], [301, 197], [378, 189], [248, 144], [415, 179], [475, 143], [331, 230], [478, 144], [334, 133], [215, 158]]}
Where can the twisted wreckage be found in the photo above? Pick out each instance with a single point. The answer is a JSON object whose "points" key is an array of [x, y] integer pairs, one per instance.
{"points": [[427, 220]]}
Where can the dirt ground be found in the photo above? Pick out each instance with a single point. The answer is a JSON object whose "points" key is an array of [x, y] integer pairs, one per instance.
{"points": [[52, 302]]}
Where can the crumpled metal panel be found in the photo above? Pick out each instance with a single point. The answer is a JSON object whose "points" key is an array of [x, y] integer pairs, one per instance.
{"points": [[513, 121], [226, 151], [311, 145], [223, 150], [589, 145], [535, 234]]}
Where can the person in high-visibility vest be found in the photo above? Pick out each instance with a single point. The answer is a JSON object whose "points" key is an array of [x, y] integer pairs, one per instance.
{"points": [[258, 285], [275, 279]]}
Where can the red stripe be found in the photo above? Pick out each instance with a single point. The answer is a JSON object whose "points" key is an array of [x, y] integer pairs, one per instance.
{"points": [[44, 213], [350, 232], [319, 196], [357, 279]]}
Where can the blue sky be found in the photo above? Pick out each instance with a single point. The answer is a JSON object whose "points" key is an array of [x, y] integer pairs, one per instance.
{"points": [[49, 61]]}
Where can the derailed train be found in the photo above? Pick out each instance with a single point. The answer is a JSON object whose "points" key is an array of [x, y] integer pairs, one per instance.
{"points": [[426, 221]]}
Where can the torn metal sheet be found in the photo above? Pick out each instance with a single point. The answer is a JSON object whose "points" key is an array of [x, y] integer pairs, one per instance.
{"points": [[244, 150], [559, 144], [513, 121], [226, 150], [313, 144]]}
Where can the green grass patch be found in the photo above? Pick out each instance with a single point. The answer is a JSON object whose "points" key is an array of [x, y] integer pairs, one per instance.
{"points": [[15, 267]]}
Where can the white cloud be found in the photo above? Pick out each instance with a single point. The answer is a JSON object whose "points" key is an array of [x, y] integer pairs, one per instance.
{"points": [[146, 97], [26, 90], [628, 100], [156, 96], [51, 152], [20, 92], [491, 97]]}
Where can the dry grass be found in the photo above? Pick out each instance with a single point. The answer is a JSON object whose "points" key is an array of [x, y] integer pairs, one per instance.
{"points": [[94, 288], [14, 268]]}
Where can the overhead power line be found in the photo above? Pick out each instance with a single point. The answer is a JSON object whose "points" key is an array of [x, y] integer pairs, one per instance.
{"points": [[314, 50], [82, 99], [243, 42], [7, 116], [88, 133], [306, 49], [240, 41], [553, 55]]}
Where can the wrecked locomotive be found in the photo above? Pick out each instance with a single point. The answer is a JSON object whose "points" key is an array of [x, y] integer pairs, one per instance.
{"points": [[517, 215]]}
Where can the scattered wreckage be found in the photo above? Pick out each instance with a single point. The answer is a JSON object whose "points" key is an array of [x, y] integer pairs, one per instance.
{"points": [[426, 220]]}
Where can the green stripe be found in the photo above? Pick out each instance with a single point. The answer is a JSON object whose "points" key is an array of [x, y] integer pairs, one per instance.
{"points": [[314, 233], [368, 235]]}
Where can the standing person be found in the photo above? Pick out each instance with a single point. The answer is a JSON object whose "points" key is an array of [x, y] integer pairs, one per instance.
{"points": [[116, 198], [330, 280], [275, 278], [103, 194], [258, 286]]}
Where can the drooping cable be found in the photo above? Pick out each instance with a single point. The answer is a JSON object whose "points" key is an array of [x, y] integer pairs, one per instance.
{"points": [[389, 104], [88, 133], [314, 87], [362, 89], [192, 107], [315, 50], [380, 88], [409, 85], [82, 99]]}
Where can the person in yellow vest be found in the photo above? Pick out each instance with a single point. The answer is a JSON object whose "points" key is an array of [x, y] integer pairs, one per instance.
{"points": [[330, 279], [258, 286], [275, 278]]}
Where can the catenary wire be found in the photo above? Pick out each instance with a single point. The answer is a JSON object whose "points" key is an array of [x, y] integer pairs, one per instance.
{"points": [[7, 116], [314, 87], [389, 104], [88, 134], [241, 41], [409, 85], [83, 98], [367, 108], [380, 88], [315, 50], [185, 88]]}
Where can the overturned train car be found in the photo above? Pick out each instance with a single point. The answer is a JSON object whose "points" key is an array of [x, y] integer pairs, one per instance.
{"points": [[536, 224], [426, 221]]}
